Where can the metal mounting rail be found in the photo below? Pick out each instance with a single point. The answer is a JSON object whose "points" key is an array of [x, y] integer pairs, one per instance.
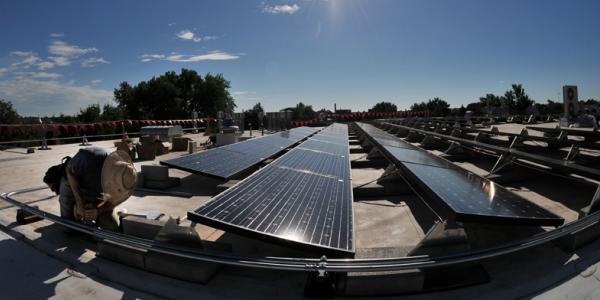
{"points": [[79, 137], [310, 264]]}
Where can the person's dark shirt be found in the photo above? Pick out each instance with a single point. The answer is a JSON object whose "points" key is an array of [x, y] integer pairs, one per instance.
{"points": [[86, 167]]}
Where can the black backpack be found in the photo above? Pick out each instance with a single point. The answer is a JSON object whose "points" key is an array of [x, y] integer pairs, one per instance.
{"points": [[55, 173]]}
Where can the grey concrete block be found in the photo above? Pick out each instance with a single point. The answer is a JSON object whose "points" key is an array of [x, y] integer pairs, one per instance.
{"points": [[162, 184], [183, 268], [578, 239], [141, 227], [156, 173], [380, 283], [148, 139], [224, 186], [146, 151], [131, 256], [180, 143]]}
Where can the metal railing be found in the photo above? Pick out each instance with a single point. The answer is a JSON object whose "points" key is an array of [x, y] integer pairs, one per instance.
{"points": [[80, 137], [310, 264]]}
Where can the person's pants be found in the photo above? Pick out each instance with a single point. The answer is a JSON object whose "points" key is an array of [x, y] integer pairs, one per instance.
{"points": [[106, 220]]}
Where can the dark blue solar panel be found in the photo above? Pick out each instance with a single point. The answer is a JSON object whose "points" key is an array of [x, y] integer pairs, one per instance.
{"points": [[254, 147], [304, 197], [468, 196], [316, 162], [327, 147], [211, 162], [417, 156], [230, 160]]}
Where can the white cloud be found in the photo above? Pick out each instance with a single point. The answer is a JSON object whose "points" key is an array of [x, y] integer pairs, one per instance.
{"points": [[61, 48], [214, 55], [35, 97], [29, 59], [96, 81], [22, 53], [3, 71], [151, 57], [39, 75], [187, 35], [281, 9], [57, 34], [171, 24], [94, 61], [45, 65], [245, 95], [60, 60]]}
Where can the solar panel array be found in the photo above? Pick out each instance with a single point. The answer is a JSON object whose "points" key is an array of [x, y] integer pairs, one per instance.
{"points": [[230, 160], [468, 196], [304, 197]]}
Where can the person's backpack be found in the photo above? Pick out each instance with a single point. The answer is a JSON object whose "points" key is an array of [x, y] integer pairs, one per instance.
{"points": [[55, 173]]}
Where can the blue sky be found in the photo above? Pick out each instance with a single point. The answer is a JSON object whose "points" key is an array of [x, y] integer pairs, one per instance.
{"points": [[59, 56]]}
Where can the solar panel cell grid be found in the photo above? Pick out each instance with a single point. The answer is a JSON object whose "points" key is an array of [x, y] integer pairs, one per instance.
{"points": [[305, 196], [317, 145], [230, 160], [467, 193], [316, 162], [295, 206], [469, 196]]}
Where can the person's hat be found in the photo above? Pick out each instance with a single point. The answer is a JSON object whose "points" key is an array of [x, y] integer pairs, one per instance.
{"points": [[119, 177]]}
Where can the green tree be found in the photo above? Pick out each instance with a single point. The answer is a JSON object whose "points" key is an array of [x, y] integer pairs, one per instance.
{"points": [[89, 114], [302, 112], [172, 96], [491, 100], [8, 115], [258, 108], [476, 108], [111, 113], [522, 100], [438, 107], [384, 107], [419, 106]]}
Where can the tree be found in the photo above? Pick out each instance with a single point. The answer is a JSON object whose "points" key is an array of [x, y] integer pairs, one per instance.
{"points": [[257, 108], [522, 101], [438, 107], [302, 112], [422, 106], [89, 114], [111, 113], [8, 115], [508, 100], [476, 108], [384, 107], [172, 96], [491, 100]]}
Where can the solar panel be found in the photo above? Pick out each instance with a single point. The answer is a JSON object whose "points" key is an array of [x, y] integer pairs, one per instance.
{"points": [[211, 162], [303, 197], [317, 145], [468, 196], [231, 160], [475, 198], [316, 162], [417, 156], [254, 147]]}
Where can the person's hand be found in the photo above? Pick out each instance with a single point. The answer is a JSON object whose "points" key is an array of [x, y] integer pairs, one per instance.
{"points": [[90, 214]]}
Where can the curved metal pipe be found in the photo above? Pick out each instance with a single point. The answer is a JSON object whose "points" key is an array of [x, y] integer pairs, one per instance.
{"points": [[311, 264]]}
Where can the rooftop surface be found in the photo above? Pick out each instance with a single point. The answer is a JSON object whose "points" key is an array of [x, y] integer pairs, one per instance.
{"points": [[41, 260]]}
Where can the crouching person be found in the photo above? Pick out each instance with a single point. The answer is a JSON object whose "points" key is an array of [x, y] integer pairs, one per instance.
{"points": [[92, 184]]}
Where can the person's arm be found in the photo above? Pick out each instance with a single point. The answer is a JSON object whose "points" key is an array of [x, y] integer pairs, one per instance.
{"points": [[86, 214]]}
